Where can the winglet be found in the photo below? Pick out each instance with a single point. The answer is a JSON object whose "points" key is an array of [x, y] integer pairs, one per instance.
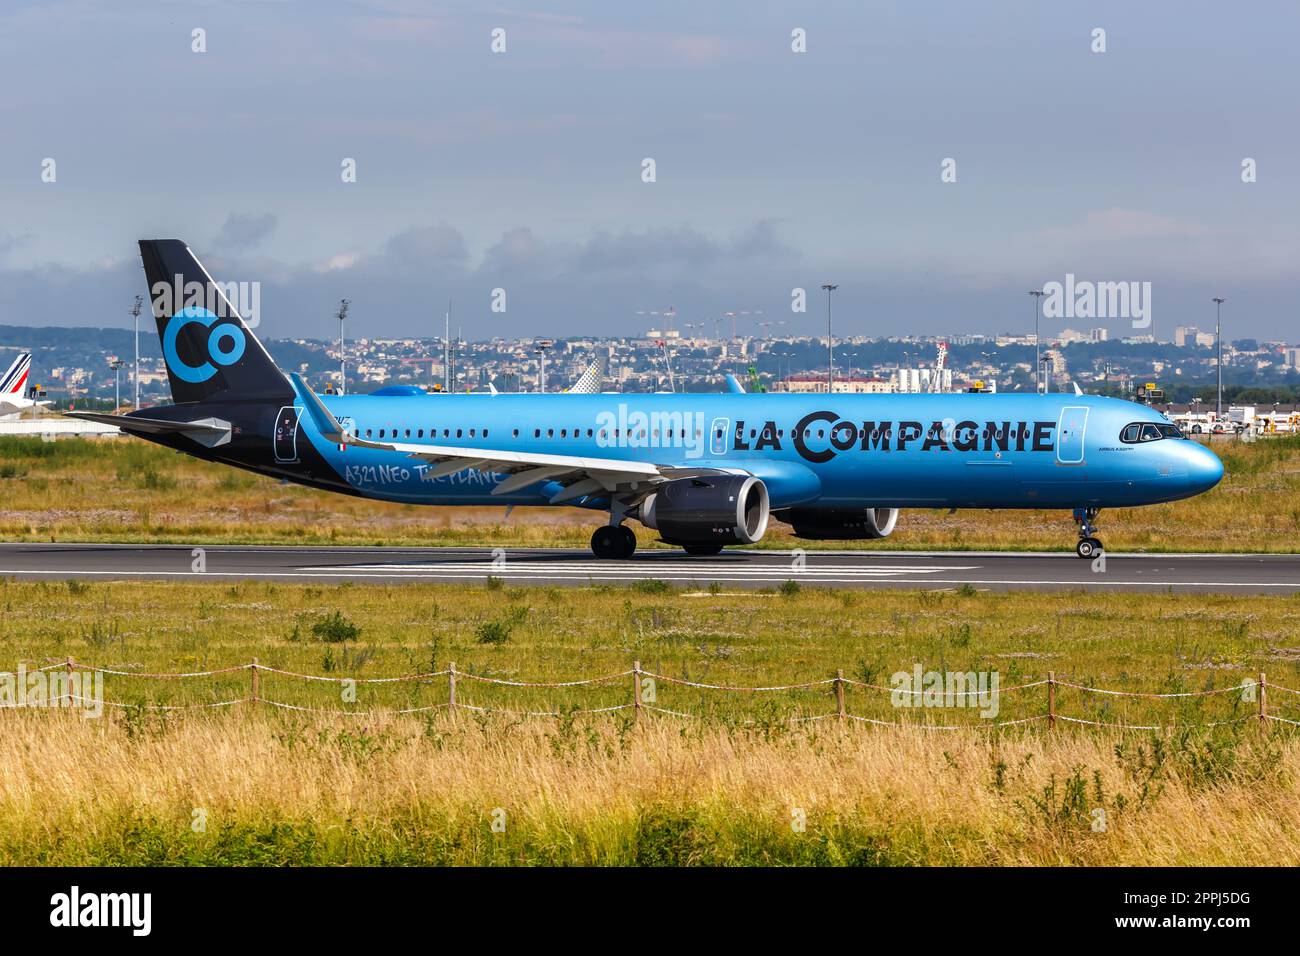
{"points": [[320, 416]]}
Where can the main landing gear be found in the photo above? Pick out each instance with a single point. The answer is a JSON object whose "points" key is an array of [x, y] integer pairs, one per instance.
{"points": [[613, 541], [1088, 546]]}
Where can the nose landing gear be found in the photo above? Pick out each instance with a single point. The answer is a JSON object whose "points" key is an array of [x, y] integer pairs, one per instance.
{"points": [[1088, 546]]}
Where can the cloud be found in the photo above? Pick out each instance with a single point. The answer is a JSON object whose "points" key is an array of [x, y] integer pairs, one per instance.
{"points": [[240, 232], [436, 247], [684, 246]]}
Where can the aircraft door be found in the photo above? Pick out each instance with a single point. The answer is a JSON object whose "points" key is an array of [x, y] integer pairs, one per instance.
{"points": [[286, 434], [719, 436], [1069, 435]]}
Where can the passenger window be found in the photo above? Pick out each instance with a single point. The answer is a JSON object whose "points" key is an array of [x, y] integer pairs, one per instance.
{"points": [[537, 433], [367, 432], [381, 433], [471, 433], [515, 433], [419, 433], [564, 433], [458, 432], [408, 433]]}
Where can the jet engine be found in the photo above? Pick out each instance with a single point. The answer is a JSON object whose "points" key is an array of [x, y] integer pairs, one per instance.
{"points": [[827, 524], [710, 511]]}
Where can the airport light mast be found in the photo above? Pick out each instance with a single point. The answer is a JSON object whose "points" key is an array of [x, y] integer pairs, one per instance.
{"points": [[342, 315], [1038, 359], [447, 380], [135, 375], [830, 342], [1218, 362], [116, 366], [541, 347]]}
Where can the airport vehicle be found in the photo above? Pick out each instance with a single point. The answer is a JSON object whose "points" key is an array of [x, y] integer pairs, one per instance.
{"points": [[704, 470]]}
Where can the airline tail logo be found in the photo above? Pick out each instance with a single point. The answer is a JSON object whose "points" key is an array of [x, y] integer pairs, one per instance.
{"points": [[225, 343], [16, 377]]}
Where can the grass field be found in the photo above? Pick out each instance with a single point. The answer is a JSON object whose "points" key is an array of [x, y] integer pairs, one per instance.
{"points": [[276, 786], [128, 490]]}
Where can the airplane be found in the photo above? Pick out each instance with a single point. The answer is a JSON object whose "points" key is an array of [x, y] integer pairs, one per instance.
{"points": [[703, 470], [12, 386]]}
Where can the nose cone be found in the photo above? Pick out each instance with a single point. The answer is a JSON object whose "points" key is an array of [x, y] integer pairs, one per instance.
{"points": [[1204, 470]]}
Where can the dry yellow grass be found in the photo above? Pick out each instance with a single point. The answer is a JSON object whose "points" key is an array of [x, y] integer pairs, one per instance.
{"points": [[288, 791]]}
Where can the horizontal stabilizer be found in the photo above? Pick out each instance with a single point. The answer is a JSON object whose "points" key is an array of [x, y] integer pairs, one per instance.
{"points": [[206, 431]]}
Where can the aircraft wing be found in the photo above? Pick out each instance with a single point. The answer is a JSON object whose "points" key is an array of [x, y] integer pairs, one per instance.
{"points": [[580, 475]]}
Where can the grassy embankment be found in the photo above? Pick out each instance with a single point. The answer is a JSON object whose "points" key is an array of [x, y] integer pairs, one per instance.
{"points": [[128, 490], [287, 787]]}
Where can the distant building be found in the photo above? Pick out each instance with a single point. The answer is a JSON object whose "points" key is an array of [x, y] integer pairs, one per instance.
{"points": [[922, 380], [812, 384], [1291, 357], [1098, 335]]}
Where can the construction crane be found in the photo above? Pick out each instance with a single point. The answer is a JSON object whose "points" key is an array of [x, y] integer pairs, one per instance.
{"points": [[755, 383], [669, 316], [936, 382]]}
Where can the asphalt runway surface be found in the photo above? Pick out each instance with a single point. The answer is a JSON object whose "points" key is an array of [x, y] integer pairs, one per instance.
{"points": [[1059, 571]]}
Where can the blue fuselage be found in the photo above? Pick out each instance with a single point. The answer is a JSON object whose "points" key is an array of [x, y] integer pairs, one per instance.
{"points": [[839, 451]]}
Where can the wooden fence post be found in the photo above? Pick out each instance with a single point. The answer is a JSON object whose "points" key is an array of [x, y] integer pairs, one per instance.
{"points": [[257, 685], [1263, 708], [636, 689], [71, 665], [451, 686], [839, 693], [1051, 698]]}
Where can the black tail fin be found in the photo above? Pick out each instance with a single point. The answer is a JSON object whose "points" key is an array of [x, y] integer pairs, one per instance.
{"points": [[209, 347]]}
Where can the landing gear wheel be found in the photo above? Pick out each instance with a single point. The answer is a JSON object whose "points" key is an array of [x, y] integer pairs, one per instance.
{"points": [[626, 542], [1088, 548], [702, 550], [606, 542]]}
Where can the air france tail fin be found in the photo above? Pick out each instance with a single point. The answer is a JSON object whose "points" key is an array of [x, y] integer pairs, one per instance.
{"points": [[15, 380], [205, 327]]}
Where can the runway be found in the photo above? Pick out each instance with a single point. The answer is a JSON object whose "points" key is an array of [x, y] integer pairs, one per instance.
{"points": [[1219, 574]]}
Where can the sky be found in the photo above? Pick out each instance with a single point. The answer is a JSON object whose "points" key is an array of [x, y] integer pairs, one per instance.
{"points": [[524, 170]]}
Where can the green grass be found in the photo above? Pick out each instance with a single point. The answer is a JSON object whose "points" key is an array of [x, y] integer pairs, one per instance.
{"points": [[128, 490], [1132, 642]]}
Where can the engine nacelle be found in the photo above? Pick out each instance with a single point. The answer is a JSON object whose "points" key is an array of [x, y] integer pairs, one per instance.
{"points": [[722, 509], [826, 524]]}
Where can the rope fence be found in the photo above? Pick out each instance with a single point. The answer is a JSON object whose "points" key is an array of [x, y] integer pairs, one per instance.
{"points": [[643, 697]]}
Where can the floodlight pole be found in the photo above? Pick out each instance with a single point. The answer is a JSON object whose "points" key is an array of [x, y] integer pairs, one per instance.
{"points": [[1038, 375], [135, 376], [830, 342], [1218, 362], [342, 315]]}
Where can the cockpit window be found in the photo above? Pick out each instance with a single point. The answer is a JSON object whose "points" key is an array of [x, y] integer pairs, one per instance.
{"points": [[1148, 431]]}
